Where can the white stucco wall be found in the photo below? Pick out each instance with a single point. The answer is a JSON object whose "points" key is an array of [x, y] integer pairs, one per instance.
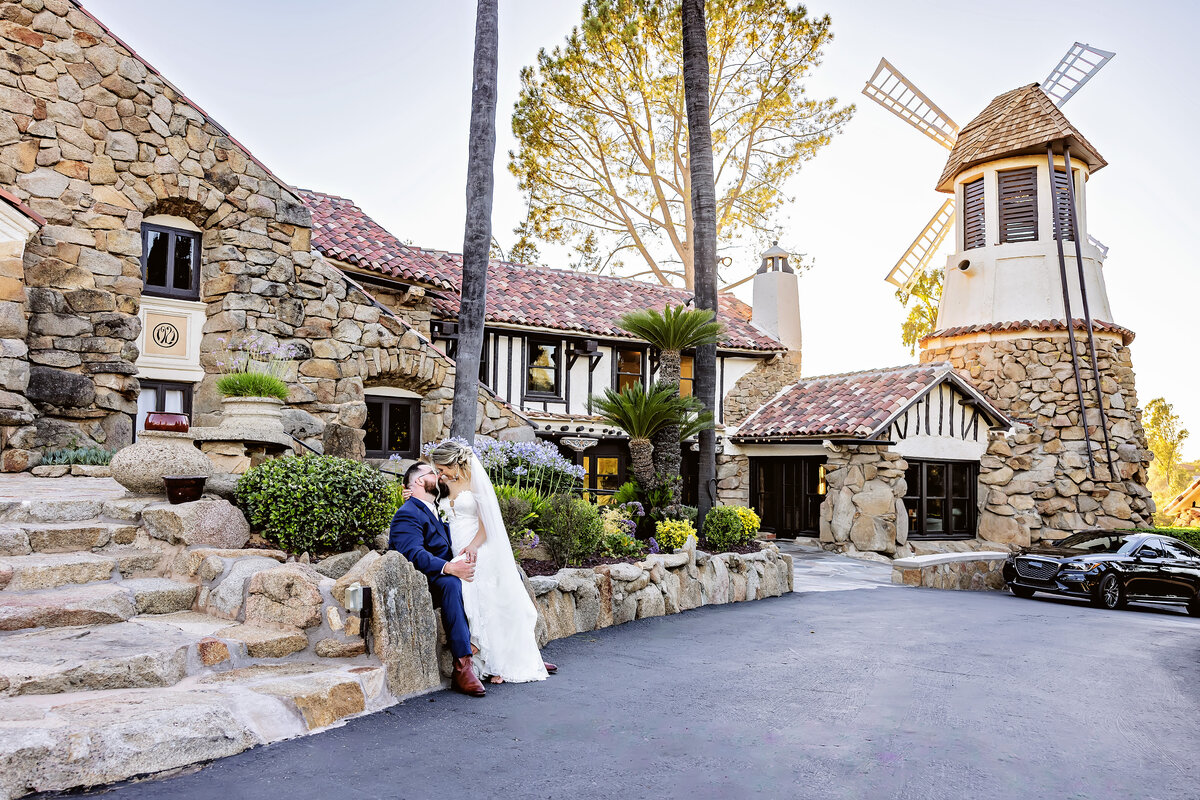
{"points": [[1019, 281]]}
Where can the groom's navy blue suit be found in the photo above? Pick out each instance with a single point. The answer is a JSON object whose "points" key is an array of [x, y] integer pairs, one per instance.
{"points": [[424, 539]]}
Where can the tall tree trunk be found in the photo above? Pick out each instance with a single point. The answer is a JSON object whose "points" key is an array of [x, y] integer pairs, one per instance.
{"points": [[668, 455], [704, 242], [477, 231]]}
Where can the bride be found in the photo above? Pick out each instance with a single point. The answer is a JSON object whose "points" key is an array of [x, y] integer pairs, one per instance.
{"points": [[502, 618]]}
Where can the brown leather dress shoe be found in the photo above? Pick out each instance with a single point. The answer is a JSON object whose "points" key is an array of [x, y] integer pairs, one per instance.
{"points": [[550, 667], [464, 679]]}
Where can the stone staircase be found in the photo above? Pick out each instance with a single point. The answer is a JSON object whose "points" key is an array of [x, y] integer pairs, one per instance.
{"points": [[129, 644]]}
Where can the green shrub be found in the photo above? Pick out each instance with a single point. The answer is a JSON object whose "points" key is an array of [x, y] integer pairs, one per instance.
{"points": [[570, 529], [91, 456], [671, 534], [252, 384], [627, 493], [1186, 535], [518, 517], [620, 545], [730, 526], [316, 504]]}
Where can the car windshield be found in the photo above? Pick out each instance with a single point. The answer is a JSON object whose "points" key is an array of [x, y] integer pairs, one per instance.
{"points": [[1094, 542]]}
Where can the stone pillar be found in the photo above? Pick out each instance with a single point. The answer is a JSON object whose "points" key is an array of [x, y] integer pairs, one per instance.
{"points": [[863, 508], [17, 414]]}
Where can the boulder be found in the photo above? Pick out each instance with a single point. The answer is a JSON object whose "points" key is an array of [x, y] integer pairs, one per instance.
{"points": [[60, 388], [650, 603], [336, 648], [356, 574], [558, 609], [286, 595], [226, 598], [93, 604], [873, 533], [264, 641], [404, 631], [321, 699], [206, 522], [338, 565]]}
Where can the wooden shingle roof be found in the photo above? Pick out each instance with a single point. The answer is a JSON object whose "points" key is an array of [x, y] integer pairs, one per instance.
{"points": [[1019, 122]]}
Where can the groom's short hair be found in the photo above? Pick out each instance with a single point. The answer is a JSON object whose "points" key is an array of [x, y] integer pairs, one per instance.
{"points": [[412, 472]]}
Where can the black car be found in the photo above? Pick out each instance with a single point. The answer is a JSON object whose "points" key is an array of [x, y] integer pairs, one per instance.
{"points": [[1110, 568]]}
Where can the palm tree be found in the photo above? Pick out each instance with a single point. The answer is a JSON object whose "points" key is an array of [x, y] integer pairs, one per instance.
{"points": [[642, 413], [704, 228], [671, 331], [477, 231]]}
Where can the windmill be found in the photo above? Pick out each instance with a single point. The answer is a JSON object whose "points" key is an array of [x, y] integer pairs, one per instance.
{"points": [[891, 89]]}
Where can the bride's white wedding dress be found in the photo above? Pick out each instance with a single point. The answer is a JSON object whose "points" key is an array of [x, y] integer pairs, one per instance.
{"points": [[501, 615]]}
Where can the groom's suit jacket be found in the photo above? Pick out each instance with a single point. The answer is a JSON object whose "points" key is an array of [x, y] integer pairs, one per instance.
{"points": [[421, 537]]}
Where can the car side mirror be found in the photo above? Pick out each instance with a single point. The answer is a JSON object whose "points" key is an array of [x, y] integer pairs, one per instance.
{"points": [[1148, 552]]}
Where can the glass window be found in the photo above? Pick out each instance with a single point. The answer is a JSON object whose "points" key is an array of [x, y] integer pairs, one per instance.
{"points": [[393, 427], [629, 369], [1177, 549], [687, 376], [940, 499], [787, 493], [542, 369], [170, 262], [169, 396], [604, 470]]}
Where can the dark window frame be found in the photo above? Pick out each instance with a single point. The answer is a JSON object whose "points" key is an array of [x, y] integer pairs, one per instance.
{"points": [[161, 388], [606, 449], [919, 494], [974, 214], [616, 365], [1060, 192], [173, 235], [690, 381], [412, 407], [531, 343], [802, 506], [1017, 223]]}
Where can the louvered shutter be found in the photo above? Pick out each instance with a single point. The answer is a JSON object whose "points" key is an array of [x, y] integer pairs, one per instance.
{"points": [[973, 230], [1062, 206], [1017, 189]]}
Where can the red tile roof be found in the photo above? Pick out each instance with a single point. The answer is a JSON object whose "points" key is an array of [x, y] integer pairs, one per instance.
{"points": [[1031, 325], [855, 404], [342, 231], [520, 295]]}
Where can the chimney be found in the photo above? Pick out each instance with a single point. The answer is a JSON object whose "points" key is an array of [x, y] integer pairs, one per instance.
{"points": [[776, 305]]}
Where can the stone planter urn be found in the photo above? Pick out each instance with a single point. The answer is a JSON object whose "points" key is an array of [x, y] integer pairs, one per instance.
{"points": [[141, 466], [252, 413]]}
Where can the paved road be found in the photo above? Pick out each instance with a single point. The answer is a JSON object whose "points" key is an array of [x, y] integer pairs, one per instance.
{"points": [[886, 693]]}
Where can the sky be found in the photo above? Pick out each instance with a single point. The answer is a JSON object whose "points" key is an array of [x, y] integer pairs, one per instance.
{"points": [[370, 99]]}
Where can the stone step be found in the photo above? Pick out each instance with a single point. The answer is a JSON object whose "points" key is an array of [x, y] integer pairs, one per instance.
{"points": [[93, 738], [48, 570], [63, 537], [122, 655], [135, 561], [160, 595], [91, 604]]}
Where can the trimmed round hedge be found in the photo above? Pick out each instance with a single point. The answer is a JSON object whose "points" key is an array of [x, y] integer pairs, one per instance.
{"points": [[730, 526], [316, 504]]}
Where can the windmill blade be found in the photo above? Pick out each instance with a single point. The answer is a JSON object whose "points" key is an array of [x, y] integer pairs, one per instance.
{"points": [[899, 95], [1099, 245], [1078, 66], [916, 259]]}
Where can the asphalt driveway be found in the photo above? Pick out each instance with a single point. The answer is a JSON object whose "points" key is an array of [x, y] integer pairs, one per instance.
{"points": [[871, 692]]}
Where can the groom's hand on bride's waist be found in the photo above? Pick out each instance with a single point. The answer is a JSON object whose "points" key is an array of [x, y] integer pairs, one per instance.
{"points": [[463, 570]]}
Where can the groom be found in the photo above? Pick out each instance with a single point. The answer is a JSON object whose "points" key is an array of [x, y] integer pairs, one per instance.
{"points": [[424, 539]]}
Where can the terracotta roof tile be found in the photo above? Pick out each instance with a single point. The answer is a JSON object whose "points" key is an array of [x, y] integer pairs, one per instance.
{"points": [[342, 231], [854, 404], [536, 297], [1031, 325], [1021, 121]]}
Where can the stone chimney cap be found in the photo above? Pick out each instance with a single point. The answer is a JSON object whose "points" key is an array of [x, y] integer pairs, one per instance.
{"points": [[775, 250], [776, 258]]}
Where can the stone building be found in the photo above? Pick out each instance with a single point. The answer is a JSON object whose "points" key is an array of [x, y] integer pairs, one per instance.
{"points": [[141, 240], [551, 339]]}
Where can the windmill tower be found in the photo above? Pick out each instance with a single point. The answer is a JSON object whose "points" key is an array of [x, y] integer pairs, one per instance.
{"points": [[1024, 312]]}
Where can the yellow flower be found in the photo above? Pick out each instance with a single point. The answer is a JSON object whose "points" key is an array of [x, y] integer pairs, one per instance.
{"points": [[671, 534]]}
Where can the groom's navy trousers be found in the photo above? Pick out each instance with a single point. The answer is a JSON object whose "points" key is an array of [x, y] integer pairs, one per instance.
{"points": [[421, 537]]}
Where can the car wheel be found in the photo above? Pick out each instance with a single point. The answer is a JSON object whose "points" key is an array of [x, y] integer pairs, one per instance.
{"points": [[1110, 593], [1021, 591]]}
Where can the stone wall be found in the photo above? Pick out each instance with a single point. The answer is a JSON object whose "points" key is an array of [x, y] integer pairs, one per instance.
{"points": [[1045, 462], [863, 510], [733, 479], [972, 572], [767, 379], [580, 600], [95, 141]]}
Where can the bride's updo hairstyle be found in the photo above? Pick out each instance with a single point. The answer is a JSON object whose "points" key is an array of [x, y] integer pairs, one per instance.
{"points": [[452, 454]]}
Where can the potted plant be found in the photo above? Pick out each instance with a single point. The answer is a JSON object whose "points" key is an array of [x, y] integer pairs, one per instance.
{"points": [[252, 388]]}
